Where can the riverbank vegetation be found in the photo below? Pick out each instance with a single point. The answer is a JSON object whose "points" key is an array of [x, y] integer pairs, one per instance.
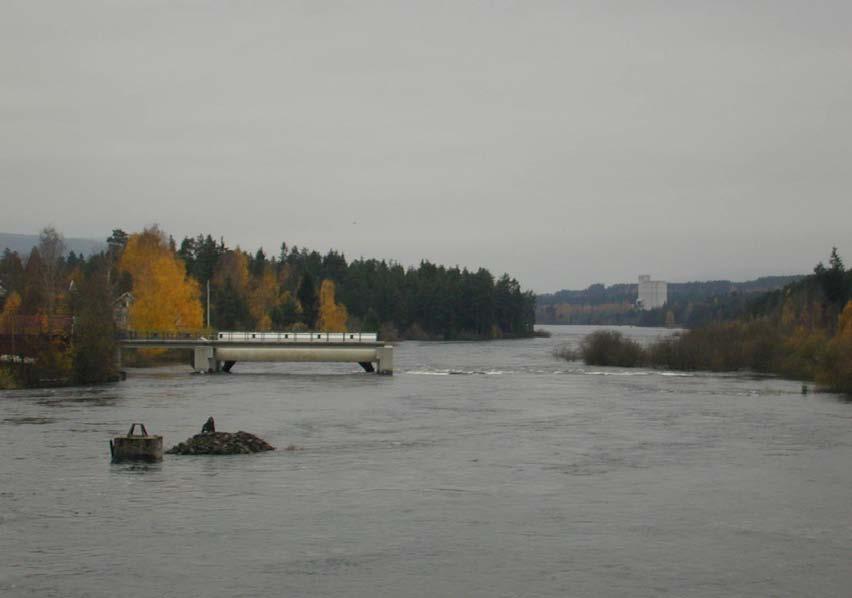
{"points": [[56, 324], [803, 331], [59, 312]]}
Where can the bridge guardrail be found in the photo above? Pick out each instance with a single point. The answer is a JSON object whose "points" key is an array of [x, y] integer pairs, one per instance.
{"points": [[165, 335], [297, 337], [285, 337]]}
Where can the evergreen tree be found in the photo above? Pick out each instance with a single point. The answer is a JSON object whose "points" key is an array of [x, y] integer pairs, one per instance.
{"points": [[285, 314], [258, 264], [33, 300], [832, 280], [307, 295], [11, 271], [94, 330], [231, 310]]}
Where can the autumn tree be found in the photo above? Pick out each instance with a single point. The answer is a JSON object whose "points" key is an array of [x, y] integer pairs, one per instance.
{"points": [[332, 316], [10, 309], [234, 265], [163, 297], [263, 297], [835, 371]]}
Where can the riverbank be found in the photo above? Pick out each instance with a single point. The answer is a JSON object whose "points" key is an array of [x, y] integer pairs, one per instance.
{"points": [[756, 346]]}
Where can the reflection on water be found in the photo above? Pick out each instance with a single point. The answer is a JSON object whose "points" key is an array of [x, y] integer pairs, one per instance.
{"points": [[479, 469]]}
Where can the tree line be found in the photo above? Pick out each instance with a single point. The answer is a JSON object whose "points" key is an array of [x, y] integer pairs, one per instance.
{"points": [[689, 304], [63, 303], [301, 288]]}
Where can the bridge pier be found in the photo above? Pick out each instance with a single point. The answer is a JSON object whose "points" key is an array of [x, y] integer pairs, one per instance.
{"points": [[384, 361], [204, 359]]}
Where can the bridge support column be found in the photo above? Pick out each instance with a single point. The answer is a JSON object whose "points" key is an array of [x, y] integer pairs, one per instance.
{"points": [[204, 359], [384, 362]]}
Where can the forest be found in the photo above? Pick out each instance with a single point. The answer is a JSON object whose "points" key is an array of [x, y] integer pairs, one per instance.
{"points": [[58, 314]]}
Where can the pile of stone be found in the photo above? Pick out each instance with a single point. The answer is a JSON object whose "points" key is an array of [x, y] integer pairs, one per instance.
{"points": [[221, 443]]}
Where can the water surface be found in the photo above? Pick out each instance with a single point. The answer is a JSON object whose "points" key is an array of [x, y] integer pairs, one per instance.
{"points": [[479, 469]]}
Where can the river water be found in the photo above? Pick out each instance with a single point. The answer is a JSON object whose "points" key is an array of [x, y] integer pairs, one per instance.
{"points": [[479, 469]]}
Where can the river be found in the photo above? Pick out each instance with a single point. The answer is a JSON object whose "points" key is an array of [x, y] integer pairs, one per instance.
{"points": [[479, 469]]}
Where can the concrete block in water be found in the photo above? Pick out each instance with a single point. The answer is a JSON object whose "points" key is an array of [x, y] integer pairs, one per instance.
{"points": [[136, 447]]}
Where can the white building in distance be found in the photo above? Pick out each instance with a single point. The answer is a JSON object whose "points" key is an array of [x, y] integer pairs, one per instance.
{"points": [[652, 293]]}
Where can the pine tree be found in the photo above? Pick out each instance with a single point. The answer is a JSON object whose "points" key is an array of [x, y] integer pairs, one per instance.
{"points": [[94, 331], [307, 296]]}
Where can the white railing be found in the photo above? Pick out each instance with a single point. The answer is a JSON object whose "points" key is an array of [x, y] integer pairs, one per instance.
{"points": [[298, 337]]}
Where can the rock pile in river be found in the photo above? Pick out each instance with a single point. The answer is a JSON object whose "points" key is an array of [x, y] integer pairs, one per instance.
{"points": [[221, 443]]}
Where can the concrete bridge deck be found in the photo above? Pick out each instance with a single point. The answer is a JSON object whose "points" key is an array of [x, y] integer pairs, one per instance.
{"points": [[221, 350]]}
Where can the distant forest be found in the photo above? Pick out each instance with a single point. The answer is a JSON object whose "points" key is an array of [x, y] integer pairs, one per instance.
{"points": [[256, 291], [690, 304], [296, 289]]}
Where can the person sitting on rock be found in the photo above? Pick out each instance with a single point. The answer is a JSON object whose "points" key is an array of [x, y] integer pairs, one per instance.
{"points": [[209, 426]]}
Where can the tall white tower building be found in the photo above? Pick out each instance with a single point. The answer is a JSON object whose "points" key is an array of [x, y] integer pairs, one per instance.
{"points": [[652, 293]]}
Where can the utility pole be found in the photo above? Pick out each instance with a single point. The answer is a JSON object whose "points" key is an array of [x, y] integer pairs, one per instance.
{"points": [[208, 304]]}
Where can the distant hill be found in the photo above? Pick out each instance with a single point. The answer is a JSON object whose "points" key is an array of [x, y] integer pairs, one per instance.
{"points": [[598, 294], [689, 303], [23, 244]]}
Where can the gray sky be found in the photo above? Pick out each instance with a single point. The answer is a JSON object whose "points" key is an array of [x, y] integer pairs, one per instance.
{"points": [[564, 142]]}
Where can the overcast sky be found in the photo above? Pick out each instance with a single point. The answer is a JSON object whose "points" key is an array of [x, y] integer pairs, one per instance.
{"points": [[564, 142]]}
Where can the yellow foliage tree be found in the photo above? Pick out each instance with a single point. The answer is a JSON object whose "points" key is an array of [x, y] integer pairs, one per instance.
{"points": [[332, 316], [233, 265], [10, 309], [844, 323], [836, 367], [263, 297], [164, 298]]}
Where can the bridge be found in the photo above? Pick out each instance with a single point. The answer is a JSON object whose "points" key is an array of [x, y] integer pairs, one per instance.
{"points": [[219, 351]]}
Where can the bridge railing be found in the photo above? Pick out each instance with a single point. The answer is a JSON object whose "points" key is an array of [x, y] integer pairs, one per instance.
{"points": [[166, 335], [297, 337], [249, 336]]}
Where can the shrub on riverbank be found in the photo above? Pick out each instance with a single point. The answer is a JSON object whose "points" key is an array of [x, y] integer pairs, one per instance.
{"points": [[8, 380], [731, 346], [756, 346], [611, 348]]}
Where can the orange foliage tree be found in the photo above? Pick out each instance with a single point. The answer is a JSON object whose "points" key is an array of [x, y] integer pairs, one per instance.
{"points": [[263, 297], [10, 309], [164, 298], [233, 265], [332, 316], [836, 367]]}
